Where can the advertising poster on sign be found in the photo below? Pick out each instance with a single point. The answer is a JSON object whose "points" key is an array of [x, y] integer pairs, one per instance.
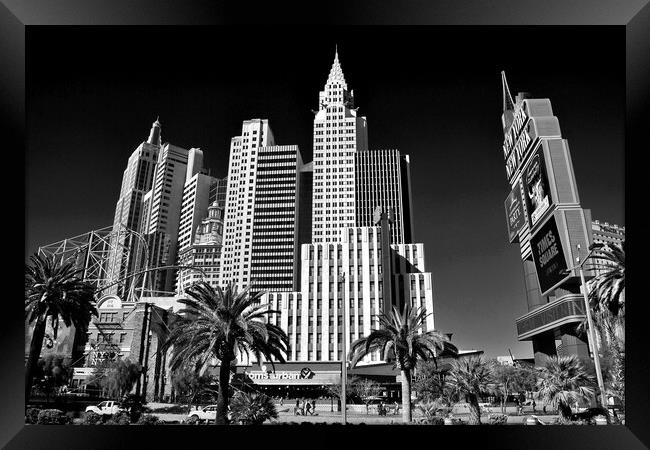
{"points": [[538, 195], [514, 212], [548, 255]]}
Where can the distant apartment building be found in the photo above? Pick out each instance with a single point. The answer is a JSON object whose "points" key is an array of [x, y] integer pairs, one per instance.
{"points": [[605, 233]]}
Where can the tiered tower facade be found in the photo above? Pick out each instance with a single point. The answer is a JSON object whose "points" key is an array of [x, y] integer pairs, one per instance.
{"points": [[338, 134]]}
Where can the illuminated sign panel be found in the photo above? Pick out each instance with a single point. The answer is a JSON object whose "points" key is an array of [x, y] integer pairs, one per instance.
{"points": [[548, 254], [529, 124], [515, 212], [536, 187]]}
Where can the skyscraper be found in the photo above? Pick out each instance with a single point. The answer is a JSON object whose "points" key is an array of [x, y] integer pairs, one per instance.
{"points": [[161, 215], [383, 179], [218, 192], [338, 134], [240, 201], [196, 198], [276, 218], [136, 182], [204, 253], [605, 233]]}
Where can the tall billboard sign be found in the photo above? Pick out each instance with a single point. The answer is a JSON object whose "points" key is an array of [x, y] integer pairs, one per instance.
{"points": [[536, 188], [515, 212], [549, 256]]}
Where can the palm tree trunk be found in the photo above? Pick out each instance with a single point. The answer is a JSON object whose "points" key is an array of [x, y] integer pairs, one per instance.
{"points": [[565, 412], [34, 353], [222, 401], [406, 395], [474, 410], [189, 406]]}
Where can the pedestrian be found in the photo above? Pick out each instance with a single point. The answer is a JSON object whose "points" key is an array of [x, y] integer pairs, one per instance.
{"points": [[296, 410], [308, 408], [302, 406], [534, 405], [281, 401], [313, 407]]}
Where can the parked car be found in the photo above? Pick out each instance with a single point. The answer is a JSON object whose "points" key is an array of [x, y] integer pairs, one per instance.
{"points": [[106, 408], [206, 414]]}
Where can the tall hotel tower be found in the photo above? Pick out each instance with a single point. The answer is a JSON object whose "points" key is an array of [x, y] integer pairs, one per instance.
{"points": [[261, 234], [338, 135], [361, 261], [136, 182]]}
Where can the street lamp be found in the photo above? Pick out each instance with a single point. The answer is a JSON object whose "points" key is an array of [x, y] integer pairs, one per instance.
{"points": [[592, 335]]}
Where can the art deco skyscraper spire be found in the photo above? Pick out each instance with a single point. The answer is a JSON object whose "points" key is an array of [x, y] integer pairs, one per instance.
{"points": [[338, 134], [154, 135]]}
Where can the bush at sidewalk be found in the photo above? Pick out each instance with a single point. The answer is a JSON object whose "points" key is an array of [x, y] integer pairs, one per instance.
{"points": [[92, 418], [31, 415], [52, 417], [148, 419], [120, 418], [498, 419]]}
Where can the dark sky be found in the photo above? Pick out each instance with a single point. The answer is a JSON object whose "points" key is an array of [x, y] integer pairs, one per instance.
{"points": [[433, 93]]}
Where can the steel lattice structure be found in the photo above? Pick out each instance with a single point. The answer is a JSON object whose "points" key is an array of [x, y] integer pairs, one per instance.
{"points": [[105, 256]]}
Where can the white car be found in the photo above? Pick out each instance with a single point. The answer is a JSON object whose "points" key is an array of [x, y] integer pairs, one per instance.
{"points": [[209, 413], [105, 408]]}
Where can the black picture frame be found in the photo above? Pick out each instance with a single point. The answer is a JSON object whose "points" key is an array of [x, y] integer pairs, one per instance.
{"points": [[18, 15]]}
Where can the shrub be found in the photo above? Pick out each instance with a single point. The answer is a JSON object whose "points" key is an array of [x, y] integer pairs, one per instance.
{"points": [[120, 418], [193, 421], [31, 415], [252, 409], [572, 422], [52, 417], [435, 420], [148, 419], [498, 419], [92, 418]]}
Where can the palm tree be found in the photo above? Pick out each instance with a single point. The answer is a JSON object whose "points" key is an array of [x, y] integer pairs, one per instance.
{"points": [[119, 377], [223, 324], [607, 293], [400, 338], [563, 381], [53, 290], [252, 409], [472, 377], [607, 301]]}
